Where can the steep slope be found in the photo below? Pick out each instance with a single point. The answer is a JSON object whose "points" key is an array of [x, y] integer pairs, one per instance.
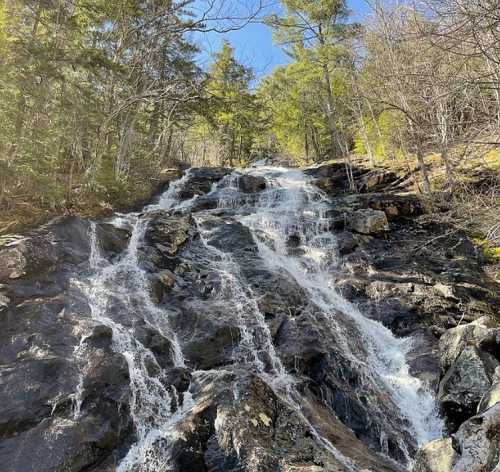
{"points": [[258, 320]]}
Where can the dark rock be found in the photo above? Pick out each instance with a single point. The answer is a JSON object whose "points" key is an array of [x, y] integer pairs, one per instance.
{"points": [[346, 242], [258, 432], [112, 240], [231, 236], [200, 181], [28, 389], [167, 233], [59, 444], [63, 241], [465, 383], [157, 343], [205, 203], [161, 284], [251, 184], [293, 241]]}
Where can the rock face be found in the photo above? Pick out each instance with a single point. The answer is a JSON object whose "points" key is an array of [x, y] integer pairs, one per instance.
{"points": [[41, 327], [194, 339]]}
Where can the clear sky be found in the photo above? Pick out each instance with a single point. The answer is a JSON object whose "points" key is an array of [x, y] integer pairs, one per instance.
{"points": [[254, 44]]}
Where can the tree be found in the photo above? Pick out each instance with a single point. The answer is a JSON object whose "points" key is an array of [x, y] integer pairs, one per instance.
{"points": [[319, 28], [233, 110]]}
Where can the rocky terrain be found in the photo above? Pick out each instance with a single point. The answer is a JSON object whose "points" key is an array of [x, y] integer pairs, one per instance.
{"points": [[263, 320]]}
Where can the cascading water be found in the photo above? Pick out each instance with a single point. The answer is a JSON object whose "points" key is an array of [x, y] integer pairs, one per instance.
{"points": [[292, 206], [289, 207]]}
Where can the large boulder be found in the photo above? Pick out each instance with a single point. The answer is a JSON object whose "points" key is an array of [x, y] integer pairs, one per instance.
{"points": [[62, 241], [201, 180], [166, 232], [113, 240], [474, 448], [367, 221], [454, 340], [436, 456], [465, 383], [251, 183], [240, 424]]}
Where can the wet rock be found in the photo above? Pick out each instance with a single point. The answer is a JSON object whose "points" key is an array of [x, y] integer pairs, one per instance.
{"points": [[423, 358], [27, 391], [112, 240], [64, 241], [231, 236], [209, 336], [256, 431], [346, 243], [201, 180], [167, 233], [293, 241], [59, 444], [464, 384], [251, 183], [205, 203], [161, 284], [100, 337], [369, 221], [178, 380], [474, 448], [157, 343]]}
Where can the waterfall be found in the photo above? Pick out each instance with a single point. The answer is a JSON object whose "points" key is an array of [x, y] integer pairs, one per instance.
{"points": [[279, 214], [119, 295]]}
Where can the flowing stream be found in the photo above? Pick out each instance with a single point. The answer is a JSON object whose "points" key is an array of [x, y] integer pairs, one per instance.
{"points": [[290, 208]]}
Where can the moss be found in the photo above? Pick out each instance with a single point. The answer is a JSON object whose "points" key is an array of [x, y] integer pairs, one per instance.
{"points": [[492, 159], [490, 253]]}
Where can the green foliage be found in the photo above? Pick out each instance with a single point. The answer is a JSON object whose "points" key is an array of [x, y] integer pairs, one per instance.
{"points": [[89, 93], [315, 88], [380, 134], [232, 112]]}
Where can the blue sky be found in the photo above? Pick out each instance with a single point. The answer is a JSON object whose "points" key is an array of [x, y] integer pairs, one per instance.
{"points": [[254, 44]]}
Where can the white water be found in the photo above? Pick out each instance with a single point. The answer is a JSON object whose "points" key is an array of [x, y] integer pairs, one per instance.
{"points": [[290, 206], [293, 206]]}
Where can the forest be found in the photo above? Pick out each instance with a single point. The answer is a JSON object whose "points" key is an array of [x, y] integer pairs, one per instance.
{"points": [[98, 97]]}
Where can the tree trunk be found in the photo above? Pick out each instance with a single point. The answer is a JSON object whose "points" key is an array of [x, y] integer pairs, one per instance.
{"points": [[306, 144], [315, 143], [423, 170], [330, 113], [330, 104], [447, 165]]}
